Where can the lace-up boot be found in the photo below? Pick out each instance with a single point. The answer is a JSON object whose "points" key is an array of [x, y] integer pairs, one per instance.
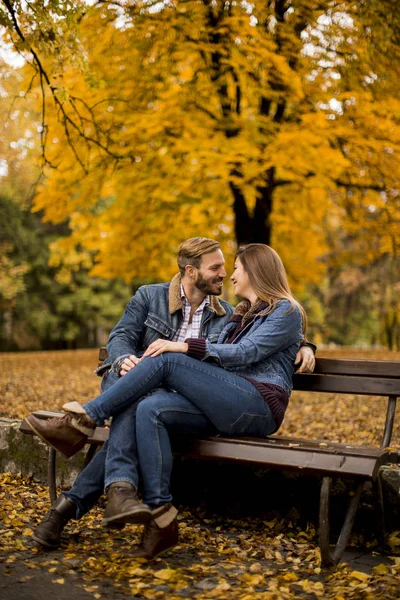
{"points": [[48, 532], [123, 506]]}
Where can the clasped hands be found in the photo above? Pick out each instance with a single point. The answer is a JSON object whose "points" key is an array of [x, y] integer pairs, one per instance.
{"points": [[158, 347]]}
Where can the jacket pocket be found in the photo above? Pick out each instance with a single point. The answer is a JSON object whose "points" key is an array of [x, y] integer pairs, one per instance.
{"points": [[253, 425], [156, 324]]}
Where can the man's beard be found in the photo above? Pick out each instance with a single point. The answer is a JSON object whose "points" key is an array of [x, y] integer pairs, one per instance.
{"points": [[207, 286]]}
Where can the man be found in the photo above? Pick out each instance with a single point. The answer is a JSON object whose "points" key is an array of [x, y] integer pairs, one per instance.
{"points": [[185, 307]]}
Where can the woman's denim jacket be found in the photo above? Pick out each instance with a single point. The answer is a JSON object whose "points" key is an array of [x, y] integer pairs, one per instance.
{"points": [[155, 311], [265, 350]]}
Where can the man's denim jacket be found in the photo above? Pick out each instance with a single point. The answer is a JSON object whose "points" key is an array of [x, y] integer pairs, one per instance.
{"points": [[265, 350], [154, 312]]}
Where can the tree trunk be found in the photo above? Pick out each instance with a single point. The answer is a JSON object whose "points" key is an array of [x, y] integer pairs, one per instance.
{"points": [[254, 228]]}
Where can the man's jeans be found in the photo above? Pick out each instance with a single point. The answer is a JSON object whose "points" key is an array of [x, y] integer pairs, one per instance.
{"points": [[208, 399], [157, 416]]}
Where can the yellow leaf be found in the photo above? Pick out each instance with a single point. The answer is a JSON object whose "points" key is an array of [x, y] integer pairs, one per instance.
{"points": [[381, 569], [166, 574], [394, 539], [252, 579], [359, 575]]}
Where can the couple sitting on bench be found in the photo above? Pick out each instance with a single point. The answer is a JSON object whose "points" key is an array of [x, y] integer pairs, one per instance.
{"points": [[183, 362]]}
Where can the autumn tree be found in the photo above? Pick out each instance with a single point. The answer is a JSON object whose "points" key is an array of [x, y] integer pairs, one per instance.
{"points": [[273, 122]]}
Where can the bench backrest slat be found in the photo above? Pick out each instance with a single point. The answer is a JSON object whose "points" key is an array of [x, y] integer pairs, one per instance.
{"points": [[103, 354], [347, 385], [365, 368]]}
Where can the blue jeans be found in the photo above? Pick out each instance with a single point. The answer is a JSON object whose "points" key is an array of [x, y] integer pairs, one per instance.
{"points": [[147, 443], [208, 399], [232, 404]]}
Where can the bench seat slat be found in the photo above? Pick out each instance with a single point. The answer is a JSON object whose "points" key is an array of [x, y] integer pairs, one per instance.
{"points": [[321, 446], [295, 458]]}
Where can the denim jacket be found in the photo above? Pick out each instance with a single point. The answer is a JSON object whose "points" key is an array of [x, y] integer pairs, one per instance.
{"points": [[154, 312], [265, 350]]}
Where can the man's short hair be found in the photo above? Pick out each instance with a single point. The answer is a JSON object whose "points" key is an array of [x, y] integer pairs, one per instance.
{"points": [[192, 250]]}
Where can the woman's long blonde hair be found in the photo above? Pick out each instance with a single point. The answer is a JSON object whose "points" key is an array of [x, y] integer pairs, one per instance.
{"points": [[268, 277]]}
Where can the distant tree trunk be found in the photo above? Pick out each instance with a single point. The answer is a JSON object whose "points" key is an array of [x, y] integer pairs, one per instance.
{"points": [[7, 324], [254, 228], [391, 331]]}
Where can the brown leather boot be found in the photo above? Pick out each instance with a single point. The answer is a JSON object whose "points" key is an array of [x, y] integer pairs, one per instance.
{"points": [[160, 534], [123, 506], [48, 532], [67, 434]]}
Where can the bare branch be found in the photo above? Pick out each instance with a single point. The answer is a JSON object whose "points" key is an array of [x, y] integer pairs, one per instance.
{"points": [[66, 119], [360, 186]]}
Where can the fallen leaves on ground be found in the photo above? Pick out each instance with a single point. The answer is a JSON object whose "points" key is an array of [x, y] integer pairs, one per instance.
{"points": [[46, 380], [216, 558]]}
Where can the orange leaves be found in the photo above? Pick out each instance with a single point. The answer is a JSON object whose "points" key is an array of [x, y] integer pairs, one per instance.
{"points": [[99, 563], [45, 380]]}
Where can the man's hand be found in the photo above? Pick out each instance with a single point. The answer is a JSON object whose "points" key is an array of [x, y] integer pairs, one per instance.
{"points": [[128, 364], [305, 358], [160, 346]]}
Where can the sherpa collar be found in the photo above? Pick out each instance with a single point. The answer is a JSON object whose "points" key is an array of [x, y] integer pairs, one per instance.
{"points": [[175, 300]]}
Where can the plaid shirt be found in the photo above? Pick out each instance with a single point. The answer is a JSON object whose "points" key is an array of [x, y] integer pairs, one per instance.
{"points": [[182, 332]]}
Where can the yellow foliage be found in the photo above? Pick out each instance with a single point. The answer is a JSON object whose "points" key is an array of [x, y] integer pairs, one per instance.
{"points": [[154, 119]]}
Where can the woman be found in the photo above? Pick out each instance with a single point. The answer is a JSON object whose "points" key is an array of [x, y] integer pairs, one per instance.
{"points": [[239, 386]]}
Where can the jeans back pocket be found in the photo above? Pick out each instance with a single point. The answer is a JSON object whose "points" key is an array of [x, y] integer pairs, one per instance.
{"points": [[253, 425]]}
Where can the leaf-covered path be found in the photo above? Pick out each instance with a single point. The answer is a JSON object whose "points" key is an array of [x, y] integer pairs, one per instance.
{"points": [[216, 558]]}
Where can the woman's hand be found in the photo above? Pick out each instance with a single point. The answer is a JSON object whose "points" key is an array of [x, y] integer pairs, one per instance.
{"points": [[305, 359], [161, 346]]}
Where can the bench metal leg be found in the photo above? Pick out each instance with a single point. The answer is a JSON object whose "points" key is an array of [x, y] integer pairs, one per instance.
{"points": [[380, 510], [89, 455], [52, 469], [329, 558], [51, 474]]}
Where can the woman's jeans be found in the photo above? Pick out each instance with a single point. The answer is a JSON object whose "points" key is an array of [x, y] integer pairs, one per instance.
{"points": [[232, 404], [207, 399]]}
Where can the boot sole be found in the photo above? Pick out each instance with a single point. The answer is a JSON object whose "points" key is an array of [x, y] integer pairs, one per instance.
{"points": [[67, 455], [139, 517], [38, 540], [149, 557]]}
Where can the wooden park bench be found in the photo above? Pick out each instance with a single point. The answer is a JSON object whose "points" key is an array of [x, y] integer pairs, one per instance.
{"points": [[328, 460]]}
